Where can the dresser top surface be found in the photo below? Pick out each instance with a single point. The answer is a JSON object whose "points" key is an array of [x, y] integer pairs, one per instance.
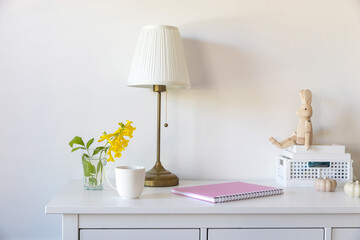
{"points": [[73, 199]]}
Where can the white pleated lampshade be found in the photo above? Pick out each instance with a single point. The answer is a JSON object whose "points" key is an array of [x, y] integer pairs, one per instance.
{"points": [[159, 59]]}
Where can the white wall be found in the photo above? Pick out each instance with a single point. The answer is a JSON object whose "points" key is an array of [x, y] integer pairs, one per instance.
{"points": [[64, 66]]}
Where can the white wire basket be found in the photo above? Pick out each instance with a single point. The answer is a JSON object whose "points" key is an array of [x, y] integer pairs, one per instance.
{"points": [[302, 173]]}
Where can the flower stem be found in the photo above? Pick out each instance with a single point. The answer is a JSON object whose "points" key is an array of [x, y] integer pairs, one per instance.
{"points": [[103, 150]]}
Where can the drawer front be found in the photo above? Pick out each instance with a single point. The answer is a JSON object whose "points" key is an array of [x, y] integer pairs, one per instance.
{"points": [[346, 234], [268, 234], [139, 234]]}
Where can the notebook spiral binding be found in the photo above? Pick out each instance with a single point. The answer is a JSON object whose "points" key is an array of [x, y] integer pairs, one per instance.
{"points": [[243, 196]]}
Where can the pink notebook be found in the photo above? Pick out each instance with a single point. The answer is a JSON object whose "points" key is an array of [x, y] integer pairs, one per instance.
{"points": [[225, 192]]}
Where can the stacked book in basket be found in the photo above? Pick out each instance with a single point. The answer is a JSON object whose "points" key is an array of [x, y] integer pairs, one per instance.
{"points": [[298, 167]]}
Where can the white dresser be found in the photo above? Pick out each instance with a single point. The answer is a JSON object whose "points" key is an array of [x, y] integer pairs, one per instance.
{"points": [[298, 214]]}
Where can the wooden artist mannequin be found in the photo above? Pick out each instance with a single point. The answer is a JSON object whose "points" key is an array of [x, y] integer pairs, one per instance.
{"points": [[304, 133]]}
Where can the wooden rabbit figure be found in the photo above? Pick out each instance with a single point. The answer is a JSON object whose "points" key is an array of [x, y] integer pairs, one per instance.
{"points": [[303, 134]]}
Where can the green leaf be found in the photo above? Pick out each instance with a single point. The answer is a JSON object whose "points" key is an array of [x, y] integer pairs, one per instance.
{"points": [[76, 140], [74, 149], [97, 150], [93, 181], [89, 169], [89, 143], [99, 167]]}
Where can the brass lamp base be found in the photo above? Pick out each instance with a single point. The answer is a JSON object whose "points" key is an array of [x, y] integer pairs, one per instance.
{"points": [[158, 176]]}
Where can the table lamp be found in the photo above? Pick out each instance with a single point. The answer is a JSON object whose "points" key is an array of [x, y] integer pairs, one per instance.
{"points": [[159, 63]]}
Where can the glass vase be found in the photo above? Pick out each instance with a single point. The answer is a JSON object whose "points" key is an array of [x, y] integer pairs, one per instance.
{"points": [[94, 171]]}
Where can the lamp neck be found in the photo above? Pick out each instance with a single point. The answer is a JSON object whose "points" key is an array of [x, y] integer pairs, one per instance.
{"points": [[159, 88]]}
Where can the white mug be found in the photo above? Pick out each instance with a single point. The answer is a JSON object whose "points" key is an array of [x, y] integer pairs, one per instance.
{"points": [[129, 181]]}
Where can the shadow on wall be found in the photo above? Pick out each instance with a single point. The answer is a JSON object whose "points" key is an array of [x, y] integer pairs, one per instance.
{"points": [[224, 90], [222, 76], [213, 65], [194, 52]]}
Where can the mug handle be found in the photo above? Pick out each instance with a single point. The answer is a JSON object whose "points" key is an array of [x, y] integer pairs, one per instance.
{"points": [[107, 179]]}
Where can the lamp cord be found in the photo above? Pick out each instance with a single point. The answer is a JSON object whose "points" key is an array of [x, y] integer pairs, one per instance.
{"points": [[166, 124]]}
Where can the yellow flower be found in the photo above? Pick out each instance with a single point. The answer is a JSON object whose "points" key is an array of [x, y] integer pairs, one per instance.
{"points": [[117, 140], [106, 136], [110, 157]]}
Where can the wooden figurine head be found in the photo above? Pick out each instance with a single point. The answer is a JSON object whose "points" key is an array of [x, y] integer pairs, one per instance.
{"points": [[305, 110]]}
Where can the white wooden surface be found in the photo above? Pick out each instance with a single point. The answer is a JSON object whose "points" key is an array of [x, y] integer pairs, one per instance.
{"points": [[135, 234], [73, 199], [268, 234], [218, 220], [346, 234], [104, 215], [70, 227]]}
